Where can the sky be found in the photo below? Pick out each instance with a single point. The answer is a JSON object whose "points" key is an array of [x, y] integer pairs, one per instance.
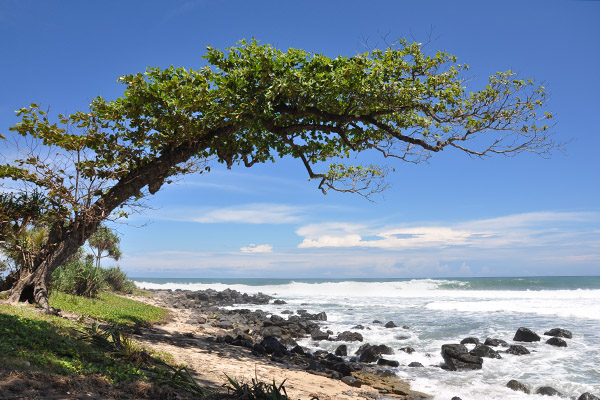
{"points": [[454, 216]]}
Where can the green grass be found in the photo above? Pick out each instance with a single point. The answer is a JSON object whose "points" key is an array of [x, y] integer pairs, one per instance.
{"points": [[110, 308], [31, 340]]}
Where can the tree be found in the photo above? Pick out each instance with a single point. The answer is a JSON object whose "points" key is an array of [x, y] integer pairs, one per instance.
{"points": [[104, 241], [251, 104]]}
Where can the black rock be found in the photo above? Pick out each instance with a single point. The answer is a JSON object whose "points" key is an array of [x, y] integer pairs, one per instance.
{"points": [[277, 320], [343, 368], [373, 353], [388, 363], [556, 341], [495, 342], [548, 391], [470, 340], [408, 350], [259, 348], [456, 398], [376, 321], [415, 364], [287, 312], [482, 350], [279, 302], [517, 386], [341, 350], [517, 350], [321, 316], [457, 358], [271, 331], [358, 327], [526, 335], [390, 324], [558, 332], [588, 396], [348, 336], [297, 350], [401, 337], [314, 365]]}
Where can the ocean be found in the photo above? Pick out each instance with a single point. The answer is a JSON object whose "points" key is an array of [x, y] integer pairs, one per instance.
{"points": [[439, 311]]}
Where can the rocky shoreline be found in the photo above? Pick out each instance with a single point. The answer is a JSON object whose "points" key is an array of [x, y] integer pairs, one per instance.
{"points": [[272, 337]]}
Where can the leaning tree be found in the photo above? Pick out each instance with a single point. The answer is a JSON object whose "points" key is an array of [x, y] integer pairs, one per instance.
{"points": [[251, 104]]}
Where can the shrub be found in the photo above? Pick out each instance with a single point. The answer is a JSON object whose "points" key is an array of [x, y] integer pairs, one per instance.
{"points": [[116, 280], [78, 277]]}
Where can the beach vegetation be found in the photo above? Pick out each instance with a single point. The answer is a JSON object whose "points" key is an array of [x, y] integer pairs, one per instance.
{"points": [[250, 104]]}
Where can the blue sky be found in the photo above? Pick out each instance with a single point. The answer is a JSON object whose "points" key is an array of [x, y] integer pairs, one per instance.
{"points": [[454, 216]]}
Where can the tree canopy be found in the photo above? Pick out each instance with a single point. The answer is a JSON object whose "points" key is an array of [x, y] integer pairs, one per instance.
{"points": [[253, 103]]}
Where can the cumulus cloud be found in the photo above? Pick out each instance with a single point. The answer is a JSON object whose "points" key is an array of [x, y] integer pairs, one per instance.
{"points": [[261, 248], [259, 213]]}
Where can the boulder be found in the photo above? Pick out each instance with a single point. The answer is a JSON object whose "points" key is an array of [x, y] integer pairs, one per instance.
{"points": [[588, 396], [481, 350], [388, 363], [341, 350], [518, 386], [279, 302], [298, 350], [415, 364], [495, 342], [558, 332], [526, 335], [517, 350], [548, 391], [373, 353], [272, 345], [348, 336], [358, 327], [407, 350], [457, 358], [556, 341], [390, 324], [470, 340], [271, 331]]}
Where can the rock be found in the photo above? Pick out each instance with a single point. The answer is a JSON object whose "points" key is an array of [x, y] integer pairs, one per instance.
{"points": [[342, 350], [481, 350], [388, 363], [548, 391], [470, 340], [517, 386], [287, 312], [298, 350], [317, 334], [351, 381], [259, 349], [415, 364], [407, 350], [495, 342], [272, 345], [455, 398], [277, 320], [401, 337], [526, 335], [390, 324], [279, 302], [558, 332], [457, 358], [588, 396], [321, 316], [348, 336], [376, 321], [201, 320], [517, 350], [287, 341], [556, 341], [358, 327], [224, 324], [271, 331]]}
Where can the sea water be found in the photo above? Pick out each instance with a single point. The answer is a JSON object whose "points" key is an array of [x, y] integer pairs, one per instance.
{"points": [[432, 312]]}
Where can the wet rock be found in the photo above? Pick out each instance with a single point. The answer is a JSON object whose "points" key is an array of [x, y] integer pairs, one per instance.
{"points": [[287, 312], [526, 335], [495, 342], [272, 345], [548, 391], [358, 327], [390, 324], [372, 353], [517, 350], [348, 336], [517, 386], [351, 381], [376, 321], [279, 302], [388, 363], [457, 358], [401, 337], [455, 398], [298, 350], [588, 396], [559, 332], [407, 350], [470, 340], [482, 350], [415, 364], [556, 341], [341, 350], [277, 320]]}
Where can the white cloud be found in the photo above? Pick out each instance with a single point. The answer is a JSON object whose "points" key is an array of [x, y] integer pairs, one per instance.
{"points": [[260, 213], [261, 248]]}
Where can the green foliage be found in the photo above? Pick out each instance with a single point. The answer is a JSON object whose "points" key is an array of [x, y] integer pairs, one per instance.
{"points": [[103, 241], [110, 308], [78, 277], [117, 281], [256, 390]]}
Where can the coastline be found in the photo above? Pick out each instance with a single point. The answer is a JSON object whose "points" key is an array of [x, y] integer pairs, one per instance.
{"points": [[200, 343]]}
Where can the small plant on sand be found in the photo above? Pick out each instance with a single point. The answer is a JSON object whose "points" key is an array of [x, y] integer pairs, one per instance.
{"points": [[256, 390]]}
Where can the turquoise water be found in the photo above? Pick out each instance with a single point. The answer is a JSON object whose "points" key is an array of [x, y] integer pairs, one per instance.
{"points": [[439, 311]]}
